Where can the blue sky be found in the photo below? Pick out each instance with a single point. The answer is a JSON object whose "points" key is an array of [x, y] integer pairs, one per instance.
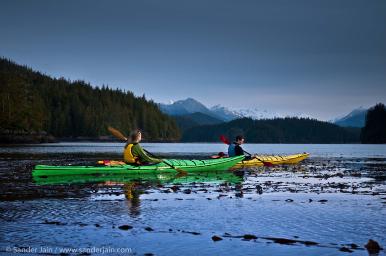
{"points": [[318, 57]]}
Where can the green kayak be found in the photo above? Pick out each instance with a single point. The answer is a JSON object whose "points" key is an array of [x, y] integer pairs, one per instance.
{"points": [[189, 166], [159, 178]]}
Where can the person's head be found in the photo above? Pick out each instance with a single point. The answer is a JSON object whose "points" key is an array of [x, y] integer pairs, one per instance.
{"points": [[239, 139], [136, 136]]}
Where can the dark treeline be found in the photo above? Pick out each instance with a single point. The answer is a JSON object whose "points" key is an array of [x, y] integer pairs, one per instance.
{"points": [[31, 102], [185, 122], [280, 130], [374, 131]]}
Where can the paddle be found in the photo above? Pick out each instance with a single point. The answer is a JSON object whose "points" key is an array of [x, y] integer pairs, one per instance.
{"points": [[180, 174], [120, 136], [226, 141]]}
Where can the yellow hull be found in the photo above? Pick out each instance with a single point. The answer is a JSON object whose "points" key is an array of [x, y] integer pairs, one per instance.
{"points": [[275, 160]]}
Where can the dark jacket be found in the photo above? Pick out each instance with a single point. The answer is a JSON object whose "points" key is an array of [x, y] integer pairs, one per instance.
{"points": [[235, 149]]}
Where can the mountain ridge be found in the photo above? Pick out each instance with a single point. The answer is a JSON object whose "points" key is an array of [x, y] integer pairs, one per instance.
{"points": [[190, 105], [185, 107], [356, 118]]}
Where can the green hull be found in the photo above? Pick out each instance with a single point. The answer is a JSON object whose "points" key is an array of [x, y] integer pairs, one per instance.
{"points": [[189, 166], [160, 178]]}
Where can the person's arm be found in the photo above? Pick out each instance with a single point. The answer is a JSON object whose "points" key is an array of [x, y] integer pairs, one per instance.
{"points": [[239, 151], [143, 157]]}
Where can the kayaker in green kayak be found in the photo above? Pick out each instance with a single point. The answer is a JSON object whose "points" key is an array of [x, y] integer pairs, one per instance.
{"points": [[135, 154]]}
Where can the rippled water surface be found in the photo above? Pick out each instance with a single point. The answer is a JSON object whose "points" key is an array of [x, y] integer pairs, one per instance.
{"points": [[330, 204]]}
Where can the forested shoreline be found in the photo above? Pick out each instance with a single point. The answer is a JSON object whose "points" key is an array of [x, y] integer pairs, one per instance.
{"points": [[32, 103], [279, 130]]}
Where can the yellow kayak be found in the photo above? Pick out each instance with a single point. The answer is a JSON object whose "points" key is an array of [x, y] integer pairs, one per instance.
{"points": [[274, 160]]}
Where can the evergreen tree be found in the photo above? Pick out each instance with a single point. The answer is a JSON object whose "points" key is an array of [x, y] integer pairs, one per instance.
{"points": [[374, 131]]}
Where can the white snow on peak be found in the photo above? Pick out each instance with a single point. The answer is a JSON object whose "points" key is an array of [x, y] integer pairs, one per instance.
{"points": [[255, 113]]}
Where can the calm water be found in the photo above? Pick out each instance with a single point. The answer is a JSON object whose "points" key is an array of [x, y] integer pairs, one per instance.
{"points": [[316, 150], [324, 205]]}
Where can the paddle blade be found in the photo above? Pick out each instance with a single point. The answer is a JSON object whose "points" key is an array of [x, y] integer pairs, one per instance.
{"points": [[116, 133], [181, 174], [225, 139], [268, 164]]}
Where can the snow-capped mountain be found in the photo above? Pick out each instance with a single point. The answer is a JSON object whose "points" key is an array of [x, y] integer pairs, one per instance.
{"points": [[183, 107], [190, 106], [254, 113], [225, 113]]}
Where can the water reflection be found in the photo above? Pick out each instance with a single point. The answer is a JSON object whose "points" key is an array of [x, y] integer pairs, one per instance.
{"points": [[131, 187], [132, 191], [151, 179]]}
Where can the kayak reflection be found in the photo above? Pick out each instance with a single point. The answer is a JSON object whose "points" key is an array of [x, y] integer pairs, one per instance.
{"points": [[160, 178]]}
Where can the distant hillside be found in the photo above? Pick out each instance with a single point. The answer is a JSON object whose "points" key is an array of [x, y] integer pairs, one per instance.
{"points": [[355, 118], [196, 119], [35, 103], [281, 130]]}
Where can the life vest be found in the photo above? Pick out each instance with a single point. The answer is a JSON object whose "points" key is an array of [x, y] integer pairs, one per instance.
{"points": [[232, 150], [128, 155]]}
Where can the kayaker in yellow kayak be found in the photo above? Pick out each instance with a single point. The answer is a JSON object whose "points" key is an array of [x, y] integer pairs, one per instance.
{"points": [[235, 148], [135, 154]]}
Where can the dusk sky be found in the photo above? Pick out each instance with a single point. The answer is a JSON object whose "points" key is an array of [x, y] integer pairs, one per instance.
{"points": [[322, 58]]}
